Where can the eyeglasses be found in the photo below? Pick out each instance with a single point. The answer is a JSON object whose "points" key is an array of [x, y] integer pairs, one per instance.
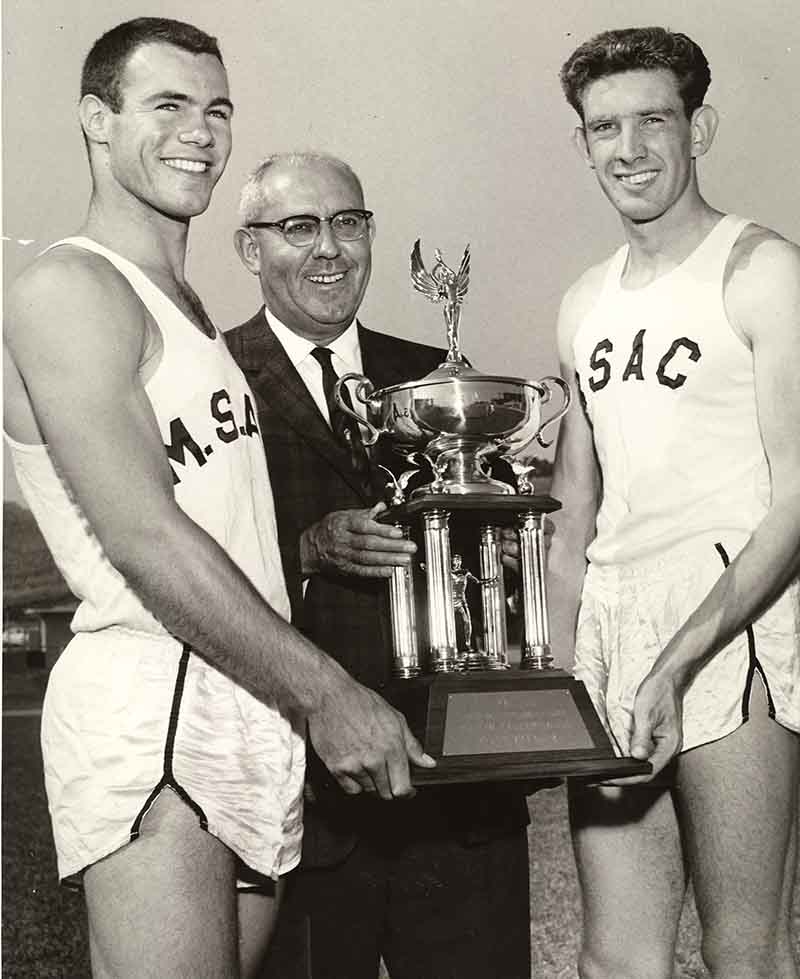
{"points": [[302, 229]]}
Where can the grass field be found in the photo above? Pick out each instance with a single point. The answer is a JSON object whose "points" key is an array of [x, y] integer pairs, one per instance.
{"points": [[44, 927]]}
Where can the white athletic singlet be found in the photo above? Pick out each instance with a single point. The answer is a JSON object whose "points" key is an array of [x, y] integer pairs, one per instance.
{"points": [[130, 709], [670, 391]]}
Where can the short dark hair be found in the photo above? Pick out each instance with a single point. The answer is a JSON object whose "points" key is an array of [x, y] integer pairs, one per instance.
{"points": [[633, 49], [105, 63]]}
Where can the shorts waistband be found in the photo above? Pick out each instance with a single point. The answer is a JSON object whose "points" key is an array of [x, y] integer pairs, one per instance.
{"points": [[664, 563]]}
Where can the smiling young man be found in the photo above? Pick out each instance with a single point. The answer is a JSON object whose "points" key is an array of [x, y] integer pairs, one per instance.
{"points": [[680, 533], [175, 719], [438, 887]]}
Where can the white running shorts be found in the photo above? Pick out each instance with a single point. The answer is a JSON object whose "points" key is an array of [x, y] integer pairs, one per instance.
{"points": [[127, 714], [628, 615]]}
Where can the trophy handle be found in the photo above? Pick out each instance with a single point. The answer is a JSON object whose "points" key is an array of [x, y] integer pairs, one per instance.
{"points": [[565, 391], [364, 389]]}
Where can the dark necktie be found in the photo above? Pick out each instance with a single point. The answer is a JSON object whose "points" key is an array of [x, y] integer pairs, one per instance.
{"points": [[344, 428]]}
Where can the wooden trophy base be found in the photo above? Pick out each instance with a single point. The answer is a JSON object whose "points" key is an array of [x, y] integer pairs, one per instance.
{"points": [[506, 726]]}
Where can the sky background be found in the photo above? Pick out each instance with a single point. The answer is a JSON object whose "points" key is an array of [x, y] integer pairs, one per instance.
{"points": [[450, 111]]}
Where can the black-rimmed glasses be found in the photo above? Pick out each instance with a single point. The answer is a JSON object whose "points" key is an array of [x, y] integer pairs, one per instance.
{"points": [[302, 229]]}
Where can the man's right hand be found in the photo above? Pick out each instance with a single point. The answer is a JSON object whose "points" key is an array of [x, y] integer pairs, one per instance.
{"points": [[364, 742], [353, 542]]}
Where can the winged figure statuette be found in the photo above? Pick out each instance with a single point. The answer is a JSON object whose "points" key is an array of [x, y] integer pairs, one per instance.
{"points": [[443, 285]]}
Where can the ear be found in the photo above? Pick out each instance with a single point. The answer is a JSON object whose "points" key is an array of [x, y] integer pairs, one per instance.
{"points": [[704, 127], [372, 229], [247, 249], [95, 118], [580, 144]]}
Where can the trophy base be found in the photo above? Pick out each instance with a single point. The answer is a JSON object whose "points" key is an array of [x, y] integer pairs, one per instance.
{"points": [[503, 510], [501, 727]]}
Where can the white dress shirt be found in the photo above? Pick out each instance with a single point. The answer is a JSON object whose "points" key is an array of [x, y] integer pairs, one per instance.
{"points": [[346, 359]]}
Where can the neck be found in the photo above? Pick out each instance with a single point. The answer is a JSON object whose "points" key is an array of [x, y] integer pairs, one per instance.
{"points": [[316, 336], [668, 239], [136, 231]]}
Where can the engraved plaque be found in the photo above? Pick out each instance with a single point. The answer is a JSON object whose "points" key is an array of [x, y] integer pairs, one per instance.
{"points": [[514, 725], [492, 722]]}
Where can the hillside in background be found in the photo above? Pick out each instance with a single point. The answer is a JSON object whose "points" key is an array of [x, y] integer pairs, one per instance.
{"points": [[30, 575]]}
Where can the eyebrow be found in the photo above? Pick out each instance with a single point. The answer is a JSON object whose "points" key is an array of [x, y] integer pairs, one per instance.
{"points": [[660, 110], [182, 97], [639, 114]]}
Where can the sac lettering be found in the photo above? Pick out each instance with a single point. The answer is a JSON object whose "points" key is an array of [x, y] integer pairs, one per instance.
{"points": [[600, 363], [682, 350], [634, 367], [677, 380], [183, 447]]}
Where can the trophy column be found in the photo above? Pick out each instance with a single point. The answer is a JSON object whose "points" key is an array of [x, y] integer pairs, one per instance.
{"points": [[493, 596], [404, 618], [441, 617], [536, 639]]}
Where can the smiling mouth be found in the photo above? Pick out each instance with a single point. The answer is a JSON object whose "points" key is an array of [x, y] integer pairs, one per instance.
{"points": [[637, 179], [187, 166], [326, 280]]}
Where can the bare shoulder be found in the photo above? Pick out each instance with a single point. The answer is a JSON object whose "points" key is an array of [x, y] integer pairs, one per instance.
{"points": [[578, 300], [763, 247], [762, 281], [70, 296]]}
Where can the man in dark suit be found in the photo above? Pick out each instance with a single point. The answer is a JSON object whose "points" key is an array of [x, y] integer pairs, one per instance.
{"points": [[438, 885]]}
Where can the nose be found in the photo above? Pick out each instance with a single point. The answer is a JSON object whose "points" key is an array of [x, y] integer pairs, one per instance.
{"points": [[630, 145], [327, 244], [199, 135]]}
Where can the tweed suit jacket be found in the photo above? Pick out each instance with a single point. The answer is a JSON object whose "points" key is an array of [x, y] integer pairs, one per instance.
{"points": [[347, 616], [311, 476]]}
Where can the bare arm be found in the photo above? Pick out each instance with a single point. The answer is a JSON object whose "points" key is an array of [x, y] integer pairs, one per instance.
{"points": [[763, 301], [76, 334]]}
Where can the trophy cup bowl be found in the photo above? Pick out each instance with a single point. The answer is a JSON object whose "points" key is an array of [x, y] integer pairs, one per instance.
{"points": [[456, 418]]}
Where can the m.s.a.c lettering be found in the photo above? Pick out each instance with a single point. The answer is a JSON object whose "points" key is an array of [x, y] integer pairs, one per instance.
{"points": [[183, 449]]}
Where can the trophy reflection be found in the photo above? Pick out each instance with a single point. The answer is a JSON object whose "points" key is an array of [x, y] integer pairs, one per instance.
{"points": [[450, 426]]}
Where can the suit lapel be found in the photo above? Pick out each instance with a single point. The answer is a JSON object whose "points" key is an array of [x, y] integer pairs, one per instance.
{"points": [[276, 381], [384, 366], [379, 366]]}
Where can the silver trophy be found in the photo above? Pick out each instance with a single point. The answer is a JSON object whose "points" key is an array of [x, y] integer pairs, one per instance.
{"points": [[481, 720], [456, 418], [451, 425]]}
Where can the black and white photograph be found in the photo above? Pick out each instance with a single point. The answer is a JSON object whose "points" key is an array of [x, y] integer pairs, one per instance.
{"points": [[401, 490]]}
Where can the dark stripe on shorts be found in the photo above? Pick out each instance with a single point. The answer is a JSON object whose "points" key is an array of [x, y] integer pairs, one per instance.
{"points": [[754, 663], [168, 777]]}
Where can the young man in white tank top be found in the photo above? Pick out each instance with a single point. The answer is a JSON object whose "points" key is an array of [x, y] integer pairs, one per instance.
{"points": [[680, 531], [175, 720]]}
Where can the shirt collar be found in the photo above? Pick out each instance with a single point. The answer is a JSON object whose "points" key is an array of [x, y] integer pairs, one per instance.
{"points": [[345, 347]]}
